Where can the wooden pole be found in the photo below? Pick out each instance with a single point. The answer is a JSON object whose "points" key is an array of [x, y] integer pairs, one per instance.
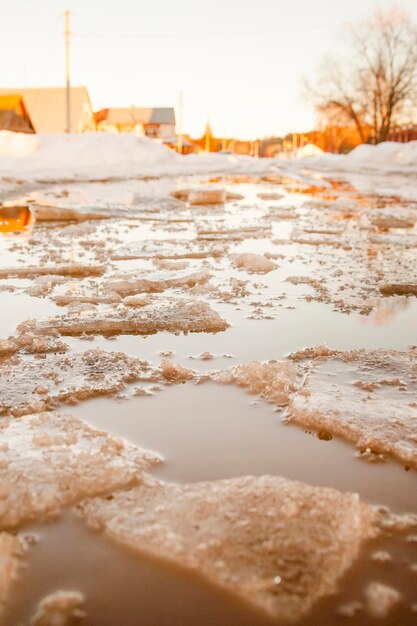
{"points": [[67, 69]]}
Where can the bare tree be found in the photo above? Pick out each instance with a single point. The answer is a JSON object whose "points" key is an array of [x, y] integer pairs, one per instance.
{"points": [[374, 84]]}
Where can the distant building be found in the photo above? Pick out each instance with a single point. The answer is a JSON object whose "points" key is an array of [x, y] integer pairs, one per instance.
{"points": [[158, 123], [14, 115], [403, 133], [47, 108]]}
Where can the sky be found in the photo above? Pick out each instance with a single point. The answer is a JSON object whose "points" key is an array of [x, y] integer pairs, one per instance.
{"points": [[238, 63]]}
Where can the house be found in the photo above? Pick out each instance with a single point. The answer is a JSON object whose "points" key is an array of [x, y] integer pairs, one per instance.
{"points": [[158, 123], [14, 115], [47, 108]]}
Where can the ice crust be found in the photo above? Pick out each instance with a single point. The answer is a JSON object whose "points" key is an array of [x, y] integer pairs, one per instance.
{"points": [[50, 460], [173, 315], [32, 344], [11, 555], [256, 263], [380, 599], [74, 270], [29, 386], [278, 544], [131, 286], [399, 289], [273, 380], [365, 396], [61, 608]]}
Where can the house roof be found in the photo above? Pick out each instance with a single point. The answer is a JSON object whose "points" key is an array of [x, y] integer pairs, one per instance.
{"points": [[14, 115], [47, 107], [137, 115]]}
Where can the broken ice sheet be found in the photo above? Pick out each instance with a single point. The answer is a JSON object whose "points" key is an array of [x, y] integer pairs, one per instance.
{"points": [[277, 544], [173, 315], [11, 555], [365, 396], [73, 269], [255, 263], [273, 380], [50, 460], [130, 285], [168, 249], [32, 385], [61, 608]]}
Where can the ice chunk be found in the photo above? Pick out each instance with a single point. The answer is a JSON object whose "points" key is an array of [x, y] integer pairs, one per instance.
{"points": [[61, 608], [49, 460], [364, 396], [380, 599], [273, 380], [168, 250], [398, 289], [11, 554], [270, 195], [175, 373], [172, 315], [73, 269], [130, 286], [207, 196], [256, 263], [32, 344], [277, 544], [28, 386]]}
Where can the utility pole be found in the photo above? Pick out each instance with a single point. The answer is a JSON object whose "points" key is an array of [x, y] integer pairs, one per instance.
{"points": [[179, 134], [67, 69]]}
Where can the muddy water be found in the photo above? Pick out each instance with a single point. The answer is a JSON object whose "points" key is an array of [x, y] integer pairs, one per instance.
{"points": [[208, 432], [240, 436]]}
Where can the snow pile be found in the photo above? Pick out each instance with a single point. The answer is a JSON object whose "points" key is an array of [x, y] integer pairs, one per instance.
{"points": [[102, 156], [385, 154], [88, 155]]}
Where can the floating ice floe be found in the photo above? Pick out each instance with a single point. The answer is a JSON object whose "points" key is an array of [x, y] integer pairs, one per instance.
{"points": [[381, 599], [61, 608], [254, 263], [129, 286], [398, 289], [365, 396], [50, 460], [168, 249], [73, 269], [277, 544], [31, 344], [172, 315], [29, 386]]}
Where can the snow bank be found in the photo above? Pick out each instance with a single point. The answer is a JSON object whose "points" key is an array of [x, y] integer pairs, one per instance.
{"points": [[89, 155], [92, 156]]}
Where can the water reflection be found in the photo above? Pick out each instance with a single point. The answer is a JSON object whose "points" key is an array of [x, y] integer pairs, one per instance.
{"points": [[15, 220]]}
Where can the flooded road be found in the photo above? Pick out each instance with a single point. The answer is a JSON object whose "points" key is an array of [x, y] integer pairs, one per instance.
{"points": [[212, 307]]}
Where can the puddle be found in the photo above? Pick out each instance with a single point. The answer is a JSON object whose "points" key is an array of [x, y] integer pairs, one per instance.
{"points": [[210, 431]]}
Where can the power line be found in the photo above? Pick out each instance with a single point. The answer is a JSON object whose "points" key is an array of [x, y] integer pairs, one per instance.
{"points": [[196, 35]]}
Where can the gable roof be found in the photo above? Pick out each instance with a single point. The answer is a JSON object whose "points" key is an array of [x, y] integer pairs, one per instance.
{"points": [[14, 115], [48, 110], [137, 115]]}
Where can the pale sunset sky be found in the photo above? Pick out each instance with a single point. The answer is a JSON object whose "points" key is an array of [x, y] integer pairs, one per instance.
{"points": [[238, 63]]}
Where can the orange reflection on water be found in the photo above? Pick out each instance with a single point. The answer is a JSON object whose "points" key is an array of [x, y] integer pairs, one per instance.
{"points": [[15, 219]]}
